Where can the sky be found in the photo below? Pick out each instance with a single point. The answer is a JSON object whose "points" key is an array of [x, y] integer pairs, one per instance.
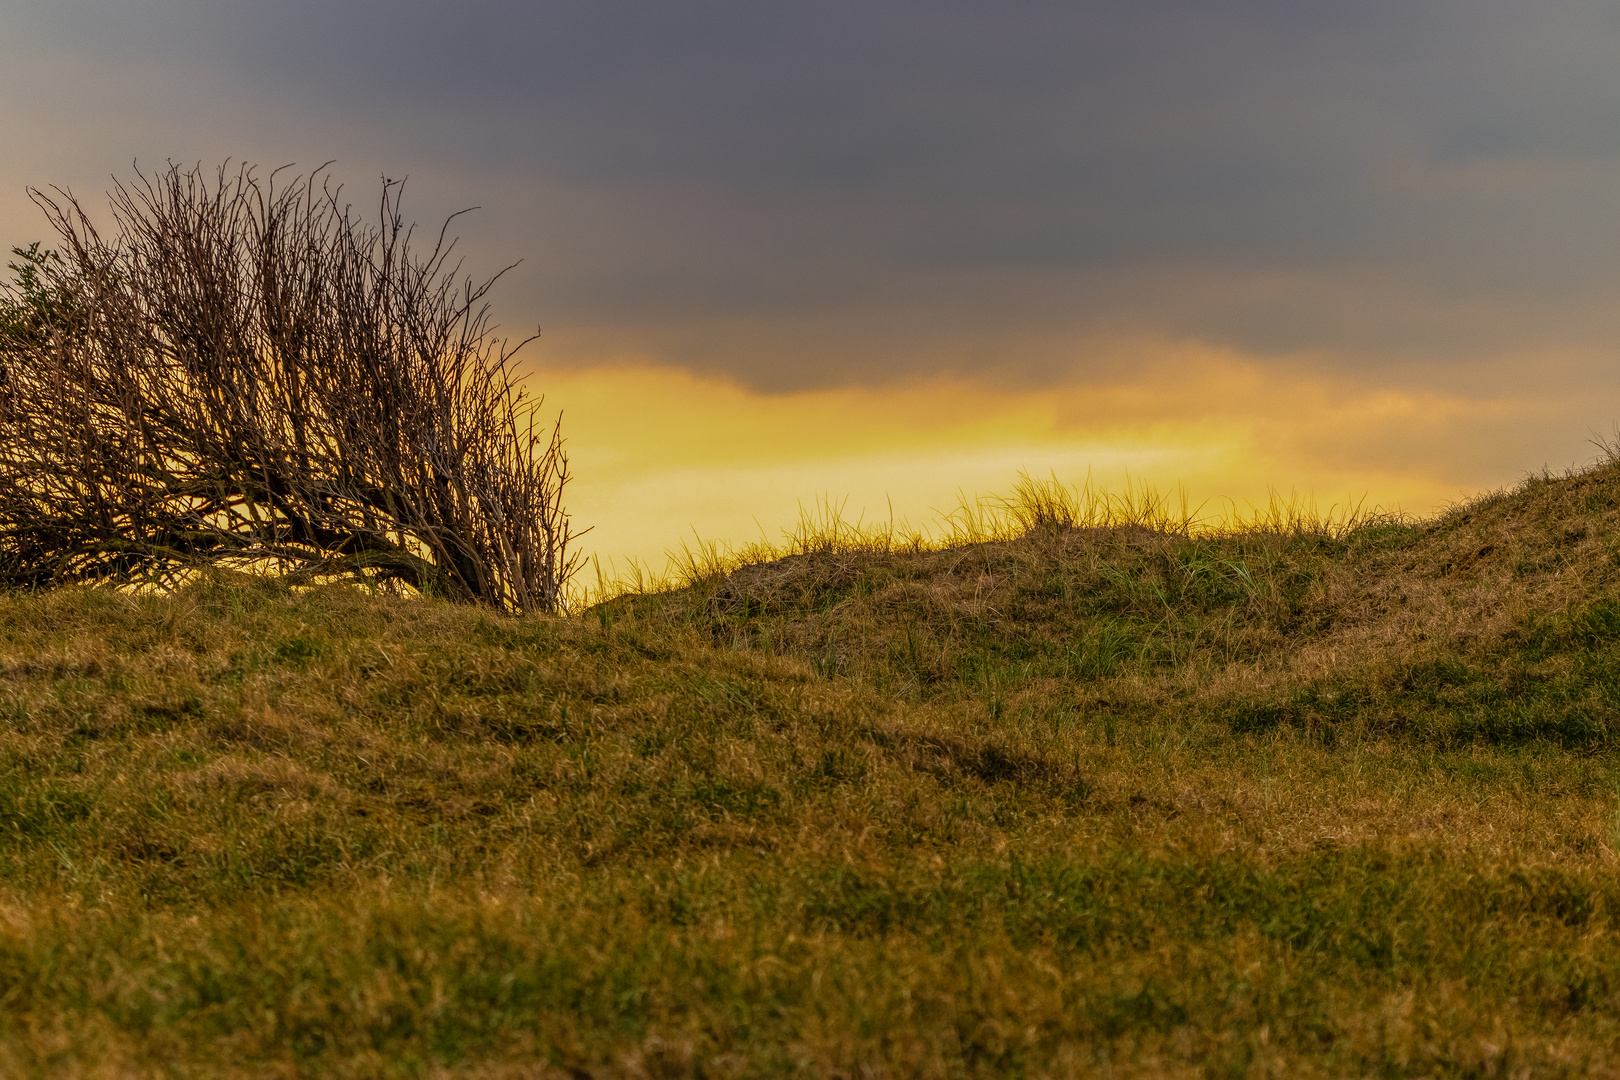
{"points": [[886, 252]]}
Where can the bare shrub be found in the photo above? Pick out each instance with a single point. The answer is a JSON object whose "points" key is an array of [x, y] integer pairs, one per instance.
{"points": [[244, 374]]}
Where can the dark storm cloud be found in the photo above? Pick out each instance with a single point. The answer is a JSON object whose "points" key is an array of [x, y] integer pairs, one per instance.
{"points": [[877, 187]]}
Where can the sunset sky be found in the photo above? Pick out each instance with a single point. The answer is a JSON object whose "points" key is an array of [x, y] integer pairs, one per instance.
{"points": [[886, 251]]}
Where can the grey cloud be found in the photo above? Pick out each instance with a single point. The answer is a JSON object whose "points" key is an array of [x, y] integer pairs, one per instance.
{"points": [[901, 185]]}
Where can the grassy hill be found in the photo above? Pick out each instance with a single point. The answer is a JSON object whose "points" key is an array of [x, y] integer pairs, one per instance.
{"points": [[1098, 799]]}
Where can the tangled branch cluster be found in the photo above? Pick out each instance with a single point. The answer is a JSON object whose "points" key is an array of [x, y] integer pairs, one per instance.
{"points": [[246, 375]]}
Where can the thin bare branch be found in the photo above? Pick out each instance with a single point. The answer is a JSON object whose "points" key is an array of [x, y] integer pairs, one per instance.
{"points": [[244, 373]]}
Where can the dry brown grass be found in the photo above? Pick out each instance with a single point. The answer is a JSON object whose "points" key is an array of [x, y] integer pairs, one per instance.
{"points": [[1096, 800]]}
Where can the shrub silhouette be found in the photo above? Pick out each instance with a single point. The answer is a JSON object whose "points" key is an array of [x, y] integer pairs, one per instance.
{"points": [[244, 375]]}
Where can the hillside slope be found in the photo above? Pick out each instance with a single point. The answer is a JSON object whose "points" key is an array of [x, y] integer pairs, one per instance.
{"points": [[1088, 802], [1387, 627]]}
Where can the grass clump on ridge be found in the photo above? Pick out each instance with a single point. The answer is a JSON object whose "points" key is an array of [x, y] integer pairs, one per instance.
{"points": [[1080, 796]]}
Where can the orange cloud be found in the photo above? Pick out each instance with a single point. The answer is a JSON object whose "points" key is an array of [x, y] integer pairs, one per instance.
{"points": [[660, 454]]}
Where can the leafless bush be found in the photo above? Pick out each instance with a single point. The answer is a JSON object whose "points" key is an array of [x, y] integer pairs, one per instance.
{"points": [[246, 375]]}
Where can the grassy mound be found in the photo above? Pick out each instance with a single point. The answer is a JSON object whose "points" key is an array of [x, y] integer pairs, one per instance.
{"points": [[1490, 624], [1094, 800]]}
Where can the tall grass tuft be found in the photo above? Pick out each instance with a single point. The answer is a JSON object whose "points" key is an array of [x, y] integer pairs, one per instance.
{"points": [[1033, 506]]}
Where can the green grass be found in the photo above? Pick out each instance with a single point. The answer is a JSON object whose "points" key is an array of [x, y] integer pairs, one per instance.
{"points": [[1089, 795]]}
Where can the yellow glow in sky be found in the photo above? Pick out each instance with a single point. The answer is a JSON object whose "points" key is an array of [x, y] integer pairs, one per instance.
{"points": [[660, 455]]}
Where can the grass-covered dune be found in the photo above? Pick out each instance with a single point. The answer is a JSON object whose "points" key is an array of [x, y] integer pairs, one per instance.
{"points": [[1103, 800]]}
